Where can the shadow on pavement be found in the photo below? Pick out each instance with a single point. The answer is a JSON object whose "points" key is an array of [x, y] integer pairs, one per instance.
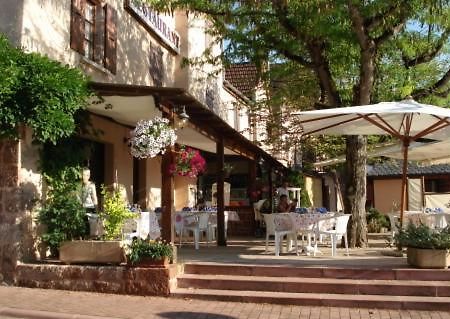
{"points": [[190, 314]]}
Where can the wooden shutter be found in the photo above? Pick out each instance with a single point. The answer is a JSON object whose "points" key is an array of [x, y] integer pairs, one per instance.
{"points": [[99, 35], [111, 39], [77, 25]]}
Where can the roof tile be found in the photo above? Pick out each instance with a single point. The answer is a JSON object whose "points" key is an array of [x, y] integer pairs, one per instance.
{"points": [[394, 168], [244, 77]]}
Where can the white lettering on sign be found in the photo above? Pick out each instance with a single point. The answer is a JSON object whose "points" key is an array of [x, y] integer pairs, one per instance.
{"points": [[152, 20]]}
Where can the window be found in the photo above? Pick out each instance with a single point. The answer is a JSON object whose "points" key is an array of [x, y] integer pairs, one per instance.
{"points": [[93, 32], [89, 29], [437, 185]]}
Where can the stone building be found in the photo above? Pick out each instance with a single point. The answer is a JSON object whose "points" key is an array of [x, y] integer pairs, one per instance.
{"points": [[133, 56]]}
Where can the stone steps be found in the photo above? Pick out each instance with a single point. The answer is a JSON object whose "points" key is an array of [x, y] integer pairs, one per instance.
{"points": [[318, 272], [424, 289], [316, 285], [312, 299]]}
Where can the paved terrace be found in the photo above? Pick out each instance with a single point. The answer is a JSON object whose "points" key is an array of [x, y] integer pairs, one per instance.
{"points": [[252, 251]]}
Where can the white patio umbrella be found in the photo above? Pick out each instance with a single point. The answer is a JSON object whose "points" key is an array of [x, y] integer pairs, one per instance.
{"points": [[417, 151], [428, 152], [406, 120]]}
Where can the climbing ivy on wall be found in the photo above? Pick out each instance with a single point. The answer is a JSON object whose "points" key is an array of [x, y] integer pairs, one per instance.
{"points": [[49, 98], [62, 211]]}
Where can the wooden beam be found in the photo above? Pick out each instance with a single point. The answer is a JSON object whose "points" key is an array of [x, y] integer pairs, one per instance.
{"points": [[167, 186], [221, 236]]}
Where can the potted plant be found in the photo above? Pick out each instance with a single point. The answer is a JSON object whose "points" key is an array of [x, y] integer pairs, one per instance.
{"points": [[149, 253], [110, 249], [189, 162], [426, 247], [151, 137]]}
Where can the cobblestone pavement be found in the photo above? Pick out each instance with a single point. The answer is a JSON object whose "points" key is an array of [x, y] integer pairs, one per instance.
{"points": [[38, 303]]}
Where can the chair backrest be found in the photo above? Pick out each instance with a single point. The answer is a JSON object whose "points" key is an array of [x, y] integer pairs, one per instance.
{"points": [[270, 226], [257, 209], [394, 221], [154, 229], [203, 220], [130, 225], [341, 223]]}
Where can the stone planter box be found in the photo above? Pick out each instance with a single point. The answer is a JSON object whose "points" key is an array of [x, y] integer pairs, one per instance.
{"points": [[91, 251], [428, 258], [147, 262]]}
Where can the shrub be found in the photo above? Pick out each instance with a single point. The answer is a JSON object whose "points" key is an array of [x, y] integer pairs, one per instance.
{"points": [[62, 212], [376, 220], [114, 213], [155, 249], [422, 236]]}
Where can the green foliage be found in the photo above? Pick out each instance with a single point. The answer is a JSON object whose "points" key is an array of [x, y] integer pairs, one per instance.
{"points": [[155, 249], [114, 213], [376, 220], [62, 211], [39, 93], [296, 179], [423, 236]]}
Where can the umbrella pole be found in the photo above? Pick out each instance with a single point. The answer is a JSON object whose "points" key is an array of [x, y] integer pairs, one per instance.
{"points": [[404, 173]]}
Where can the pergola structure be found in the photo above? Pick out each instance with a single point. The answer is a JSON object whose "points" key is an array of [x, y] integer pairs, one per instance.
{"points": [[206, 129]]}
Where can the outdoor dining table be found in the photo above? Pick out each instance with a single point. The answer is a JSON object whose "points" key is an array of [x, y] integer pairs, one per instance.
{"points": [[306, 225]]}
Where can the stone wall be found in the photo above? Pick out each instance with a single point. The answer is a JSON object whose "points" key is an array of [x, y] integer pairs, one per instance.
{"points": [[105, 279], [10, 208]]}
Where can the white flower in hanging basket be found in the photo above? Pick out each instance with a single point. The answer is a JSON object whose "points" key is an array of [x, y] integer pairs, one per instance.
{"points": [[151, 137]]}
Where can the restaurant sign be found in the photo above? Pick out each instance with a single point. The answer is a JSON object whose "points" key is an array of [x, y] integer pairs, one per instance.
{"points": [[153, 22]]}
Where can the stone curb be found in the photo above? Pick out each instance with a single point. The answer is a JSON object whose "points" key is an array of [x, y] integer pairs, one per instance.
{"points": [[37, 314]]}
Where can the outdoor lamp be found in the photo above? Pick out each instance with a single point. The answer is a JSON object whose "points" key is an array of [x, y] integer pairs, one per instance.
{"points": [[182, 116]]}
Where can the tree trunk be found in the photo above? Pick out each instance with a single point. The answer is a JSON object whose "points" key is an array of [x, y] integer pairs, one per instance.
{"points": [[355, 189]]}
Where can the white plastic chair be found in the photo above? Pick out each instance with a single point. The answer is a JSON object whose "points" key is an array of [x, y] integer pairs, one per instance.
{"points": [[154, 229], [199, 225], [394, 221], [270, 227], [283, 227], [325, 227], [304, 225], [257, 210], [130, 230], [212, 226]]}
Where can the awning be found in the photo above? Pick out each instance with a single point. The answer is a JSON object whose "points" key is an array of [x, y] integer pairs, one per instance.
{"points": [[207, 125]]}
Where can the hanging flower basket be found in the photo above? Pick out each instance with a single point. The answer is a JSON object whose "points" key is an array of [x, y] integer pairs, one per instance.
{"points": [[151, 137], [189, 162]]}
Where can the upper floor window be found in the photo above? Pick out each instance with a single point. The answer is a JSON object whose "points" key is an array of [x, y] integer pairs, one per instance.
{"points": [[89, 30], [93, 32]]}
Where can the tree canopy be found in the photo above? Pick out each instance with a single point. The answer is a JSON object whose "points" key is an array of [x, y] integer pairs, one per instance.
{"points": [[358, 52]]}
